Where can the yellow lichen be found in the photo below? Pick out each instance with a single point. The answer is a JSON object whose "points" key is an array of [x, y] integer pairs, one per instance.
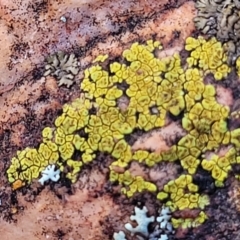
{"points": [[208, 55], [182, 194], [101, 58], [152, 91], [134, 184], [189, 222], [238, 66]]}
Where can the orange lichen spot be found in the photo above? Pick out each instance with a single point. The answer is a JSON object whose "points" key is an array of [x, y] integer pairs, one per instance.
{"points": [[17, 184]]}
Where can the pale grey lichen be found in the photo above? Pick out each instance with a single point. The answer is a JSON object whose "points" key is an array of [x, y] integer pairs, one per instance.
{"points": [[164, 219], [162, 229], [62, 66], [49, 173], [221, 18], [142, 220], [119, 236]]}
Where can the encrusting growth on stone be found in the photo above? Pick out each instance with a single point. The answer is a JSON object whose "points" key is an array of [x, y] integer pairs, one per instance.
{"points": [[183, 193], [49, 174], [142, 220], [161, 231], [208, 55], [119, 236], [220, 18], [62, 66], [156, 91]]}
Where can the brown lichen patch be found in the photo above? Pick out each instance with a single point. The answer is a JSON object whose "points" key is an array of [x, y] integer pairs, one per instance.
{"points": [[220, 19]]}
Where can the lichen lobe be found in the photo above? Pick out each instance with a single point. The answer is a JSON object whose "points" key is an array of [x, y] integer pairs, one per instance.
{"points": [[62, 66], [220, 19]]}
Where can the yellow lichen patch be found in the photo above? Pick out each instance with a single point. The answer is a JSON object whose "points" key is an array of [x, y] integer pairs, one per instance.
{"points": [[47, 134], [181, 193], [28, 164], [220, 166], [132, 184], [238, 66], [75, 169], [143, 93], [101, 58], [150, 159], [189, 222], [208, 55]]}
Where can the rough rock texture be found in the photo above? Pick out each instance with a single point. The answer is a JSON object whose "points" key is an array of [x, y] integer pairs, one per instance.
{"points": [[90, 208], [31, 31]]}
